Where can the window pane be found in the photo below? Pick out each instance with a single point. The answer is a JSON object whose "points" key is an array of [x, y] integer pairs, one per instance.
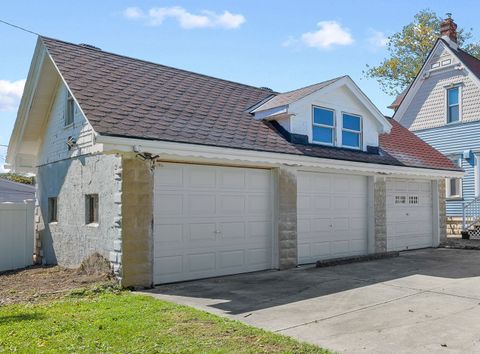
{"points": [[323, 135], [322, 116], [453, 187], [453, 114], [453, 96], [350, 139], [351, 122]]}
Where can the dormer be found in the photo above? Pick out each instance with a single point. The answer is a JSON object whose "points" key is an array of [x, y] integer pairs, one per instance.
{"points": [[334, 113]]}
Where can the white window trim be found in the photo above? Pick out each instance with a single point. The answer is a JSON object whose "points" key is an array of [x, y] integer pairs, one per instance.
{"points": [[69, 100], [448, 196], [334, 127], [360, 133], [476, 171], [459, 86]]}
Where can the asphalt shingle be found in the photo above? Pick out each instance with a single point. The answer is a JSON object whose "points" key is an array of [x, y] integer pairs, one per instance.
{"points": [[128, 97]]}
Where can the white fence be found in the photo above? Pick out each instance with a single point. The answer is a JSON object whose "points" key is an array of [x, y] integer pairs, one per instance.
{"points": [[16, 235]]}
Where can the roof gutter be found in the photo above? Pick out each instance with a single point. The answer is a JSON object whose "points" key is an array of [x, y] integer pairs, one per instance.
{"points": [[215, 154]]}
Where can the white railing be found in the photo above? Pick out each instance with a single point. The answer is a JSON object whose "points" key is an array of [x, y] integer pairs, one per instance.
{"points": [[470, 213]]}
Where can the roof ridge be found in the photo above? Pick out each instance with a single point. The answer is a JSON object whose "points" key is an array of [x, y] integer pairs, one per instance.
{"points": [[315, 84], [157, 64]]}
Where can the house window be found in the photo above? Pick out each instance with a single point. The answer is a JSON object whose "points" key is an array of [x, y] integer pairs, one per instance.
{"points": [[52, 209], [351, 131], [69, 110], [454, 185], [323, 126], [91, 209], [400, 199], [453, 104]]}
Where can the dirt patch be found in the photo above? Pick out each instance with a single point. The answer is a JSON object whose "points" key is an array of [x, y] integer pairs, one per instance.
{"points": [[37, 283]]}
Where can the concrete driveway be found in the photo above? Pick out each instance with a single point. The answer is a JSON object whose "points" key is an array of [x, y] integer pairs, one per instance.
{"points": [[423, 301]]}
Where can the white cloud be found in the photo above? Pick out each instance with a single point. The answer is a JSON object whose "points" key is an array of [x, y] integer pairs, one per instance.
{"points": [[205, 19], [10, 94], [377, 39], [133, 13], [330, 33]]}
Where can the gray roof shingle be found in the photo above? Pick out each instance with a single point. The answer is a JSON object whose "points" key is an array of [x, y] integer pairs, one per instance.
{"points": [[128, 97]]}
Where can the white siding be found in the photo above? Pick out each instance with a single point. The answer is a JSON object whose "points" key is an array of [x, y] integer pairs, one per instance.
{"points": [[54, 146], [341, 100]]}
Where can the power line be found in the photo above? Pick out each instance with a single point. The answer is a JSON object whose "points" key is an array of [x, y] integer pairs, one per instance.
{"points": [[19, 27]]}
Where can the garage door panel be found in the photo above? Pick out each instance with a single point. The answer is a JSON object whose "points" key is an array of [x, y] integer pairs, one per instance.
{"points": [[260, 229], [336, 225], [169, 265], [169, 204], [258, 180], [201, 232], [169, 176], [201, 177], [173, 233], [257, 256], [232, 231], [201, 261], [341, 224], [409, 223], [303, 225], [232, 204], [229, 259], [218, 226], [320, 202], [201, 204], [231, 179], [259, 204], [319, 249]]}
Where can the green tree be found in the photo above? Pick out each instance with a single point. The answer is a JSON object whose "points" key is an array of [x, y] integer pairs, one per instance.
{"points": [[17, 178], [408, 50]]}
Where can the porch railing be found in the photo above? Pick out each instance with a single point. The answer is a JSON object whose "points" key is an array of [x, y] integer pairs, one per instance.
{"points": [[470, 213]]}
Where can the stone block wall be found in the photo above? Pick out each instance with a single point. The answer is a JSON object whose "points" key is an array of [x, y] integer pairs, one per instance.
{"points": [[137, 233], [442, 210], [380, 214], [69, 240], [287, 217]]}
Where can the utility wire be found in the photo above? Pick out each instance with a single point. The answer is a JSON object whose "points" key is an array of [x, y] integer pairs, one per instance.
{"points": [[19, 27]]}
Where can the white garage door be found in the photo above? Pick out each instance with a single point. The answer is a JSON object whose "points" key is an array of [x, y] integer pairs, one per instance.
{"points": [[332, 216], [409, 214], [211, 221]]}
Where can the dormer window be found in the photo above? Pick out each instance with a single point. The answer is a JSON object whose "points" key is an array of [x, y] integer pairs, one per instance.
{"points": [[69, 110], [453, 104], [323, 131], [351, 131]]}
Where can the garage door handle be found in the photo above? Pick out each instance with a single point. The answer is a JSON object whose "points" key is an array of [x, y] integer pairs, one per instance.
{"points": [[217, 232]]}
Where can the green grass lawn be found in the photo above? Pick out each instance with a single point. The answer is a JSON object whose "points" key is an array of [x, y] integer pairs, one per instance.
{"points": [[129, 323]]}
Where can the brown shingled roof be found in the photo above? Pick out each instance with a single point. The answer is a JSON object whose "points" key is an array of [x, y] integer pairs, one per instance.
{"points": [[127, 97], [286, 98]]}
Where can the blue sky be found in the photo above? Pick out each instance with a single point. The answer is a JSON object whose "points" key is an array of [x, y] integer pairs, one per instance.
{"points": [[281, 45]]}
